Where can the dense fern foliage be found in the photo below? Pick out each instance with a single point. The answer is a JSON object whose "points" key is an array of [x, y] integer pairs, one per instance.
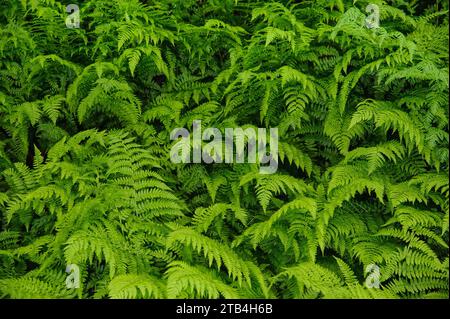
{"points": [[86, 176]]}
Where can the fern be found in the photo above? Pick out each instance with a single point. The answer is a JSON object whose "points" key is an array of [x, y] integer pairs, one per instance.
{"points": [[86, 116]]}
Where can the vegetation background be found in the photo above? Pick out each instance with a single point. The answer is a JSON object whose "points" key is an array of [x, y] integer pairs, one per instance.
{"points": [[86, 179]]}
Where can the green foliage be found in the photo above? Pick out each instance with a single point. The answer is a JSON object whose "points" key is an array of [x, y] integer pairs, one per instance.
{"points": [[86, 178]]}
